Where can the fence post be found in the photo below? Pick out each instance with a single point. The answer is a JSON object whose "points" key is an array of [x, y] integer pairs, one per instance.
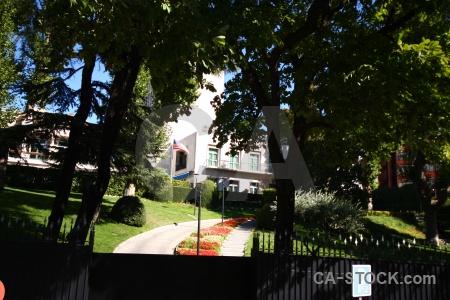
{"points": [[255, 248], [91, 238]]}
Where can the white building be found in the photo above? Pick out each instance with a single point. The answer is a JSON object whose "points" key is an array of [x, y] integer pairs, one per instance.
{"points": [[245, 172]]}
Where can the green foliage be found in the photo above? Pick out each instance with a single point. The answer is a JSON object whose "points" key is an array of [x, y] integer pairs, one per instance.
{"points": [[26, 177], [181, 183], [7, 66], [129, 210], [269, 195], [396, 199], [208, 191], [182, 194], [323, 210], [265, 216], [163, 193]]}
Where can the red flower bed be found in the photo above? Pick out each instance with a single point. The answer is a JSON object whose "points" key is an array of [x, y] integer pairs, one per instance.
{"points": [[208, 248], [184, 251], [204, 245]]}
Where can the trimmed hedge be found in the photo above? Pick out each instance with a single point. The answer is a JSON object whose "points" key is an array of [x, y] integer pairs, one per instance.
{"points": [[181, 183], [269, 195], [209, 190], [183, 194], [26, 177], [164, 194], [129, 210], [396, 199]]}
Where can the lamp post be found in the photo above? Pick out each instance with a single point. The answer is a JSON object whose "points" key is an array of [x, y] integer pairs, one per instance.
{"points": [[199, 186], [195, 191], [223, 198]]}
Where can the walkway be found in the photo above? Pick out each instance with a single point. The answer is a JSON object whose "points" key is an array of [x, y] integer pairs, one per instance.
{"points": [[234, 244], [163, 240]]}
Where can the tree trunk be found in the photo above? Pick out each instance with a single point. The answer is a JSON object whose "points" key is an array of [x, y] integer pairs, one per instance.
{"points": [[431, 231], [120, 98], [3, 166], [424, 193], [130, 189], [284, 222], [72, 155]]}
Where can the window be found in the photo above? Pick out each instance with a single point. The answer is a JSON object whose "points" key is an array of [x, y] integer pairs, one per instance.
{"points": [[234, 162], [233, 186], [254, 187], [254, 162], [36, 149], [213, 157], [181, 160]]}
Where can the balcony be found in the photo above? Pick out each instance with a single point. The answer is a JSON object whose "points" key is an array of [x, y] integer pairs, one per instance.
{"points": [[242, 167]]}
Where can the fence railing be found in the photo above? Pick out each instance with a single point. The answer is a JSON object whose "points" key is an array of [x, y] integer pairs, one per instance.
{"points": [[355, 246], [31, 268], [320, 267]]}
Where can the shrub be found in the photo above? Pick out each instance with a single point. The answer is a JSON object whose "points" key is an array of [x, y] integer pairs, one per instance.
{"points": [[182, 194], [265, 216], [129, 210], [181, 183], [396, 199], [163, 193], [269, 195], [209, 188], [324, 211]]}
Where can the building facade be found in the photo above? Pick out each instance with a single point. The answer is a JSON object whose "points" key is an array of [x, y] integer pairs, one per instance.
{"points": [[245, 172]]}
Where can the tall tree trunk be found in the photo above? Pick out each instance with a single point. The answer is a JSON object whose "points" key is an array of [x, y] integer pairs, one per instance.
{"points": [[120, 98], [284, 222], [424, 193], [72, 154], [3, 166]]}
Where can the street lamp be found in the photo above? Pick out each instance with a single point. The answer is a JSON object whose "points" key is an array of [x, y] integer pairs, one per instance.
{"points": [[199, 187], [195, 191], [223, 198]]}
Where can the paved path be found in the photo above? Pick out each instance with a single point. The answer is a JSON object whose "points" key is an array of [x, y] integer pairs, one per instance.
{"points": [[234, 244], [163, 240]]}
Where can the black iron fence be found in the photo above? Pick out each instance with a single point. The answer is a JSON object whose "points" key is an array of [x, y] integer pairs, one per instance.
{"points": [[31, 268], [320, 267]]}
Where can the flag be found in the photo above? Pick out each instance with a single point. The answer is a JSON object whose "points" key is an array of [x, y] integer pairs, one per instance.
{"points": [[179, 146]]}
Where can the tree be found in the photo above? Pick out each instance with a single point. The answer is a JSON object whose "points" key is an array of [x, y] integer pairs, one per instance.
{"points": [[351, 71], [127, 36], [7, 76]]}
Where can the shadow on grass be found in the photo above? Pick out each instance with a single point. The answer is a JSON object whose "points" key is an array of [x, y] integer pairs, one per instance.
{"points": [[376, 229]]}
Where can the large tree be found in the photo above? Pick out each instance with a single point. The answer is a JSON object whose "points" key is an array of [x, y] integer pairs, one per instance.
{"points": [[174, 40], [369, 73], [7, 76]]}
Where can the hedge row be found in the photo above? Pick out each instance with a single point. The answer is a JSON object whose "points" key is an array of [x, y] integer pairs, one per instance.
{"points": [[396, 199]]}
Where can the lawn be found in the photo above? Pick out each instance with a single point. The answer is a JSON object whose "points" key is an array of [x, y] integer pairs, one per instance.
{"points": [[379, 226], [24, 204]]}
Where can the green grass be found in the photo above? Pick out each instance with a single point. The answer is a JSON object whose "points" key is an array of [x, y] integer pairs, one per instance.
{"points": [[109, 234], [376, 225]]}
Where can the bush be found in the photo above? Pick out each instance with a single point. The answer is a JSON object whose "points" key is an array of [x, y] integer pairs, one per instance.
{"points": [[163, 193], [265, 216], [324, 211], [181, 183], [209, 188], [396, 199], [26, 177], [129, 210], [182, 194], [269, 195]]}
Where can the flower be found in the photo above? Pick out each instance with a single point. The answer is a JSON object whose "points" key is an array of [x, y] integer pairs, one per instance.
{"points": [[211, 238]]}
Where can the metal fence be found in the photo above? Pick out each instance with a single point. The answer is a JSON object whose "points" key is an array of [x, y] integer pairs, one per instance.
{"points": [[320, 267], [31, 268]]}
